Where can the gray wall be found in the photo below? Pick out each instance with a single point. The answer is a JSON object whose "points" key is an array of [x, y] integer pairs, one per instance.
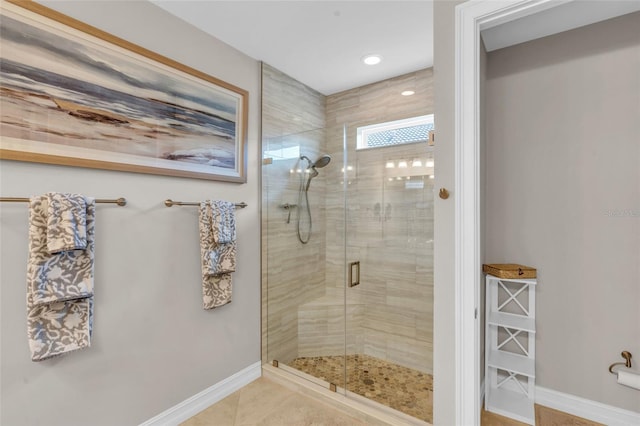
{"points": [[563, 195], [444, 312], [153, 344]]}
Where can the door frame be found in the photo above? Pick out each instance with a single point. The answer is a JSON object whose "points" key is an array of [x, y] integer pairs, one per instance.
{"points": [[471, 18]]}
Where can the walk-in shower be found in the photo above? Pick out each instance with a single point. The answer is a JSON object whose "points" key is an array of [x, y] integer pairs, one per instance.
{"points": [[304, 221], [348, 303]]}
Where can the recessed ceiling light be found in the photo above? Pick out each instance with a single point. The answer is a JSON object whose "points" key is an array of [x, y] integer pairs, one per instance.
{"points": [[372, 59], [408, 93]]}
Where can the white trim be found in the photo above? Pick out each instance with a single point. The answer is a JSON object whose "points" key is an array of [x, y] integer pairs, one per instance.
{"points": [[585, 408], [193, 405], [472, 17]]}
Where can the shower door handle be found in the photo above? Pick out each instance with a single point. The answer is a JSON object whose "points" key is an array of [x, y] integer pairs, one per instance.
{"points": [[353, 265]]}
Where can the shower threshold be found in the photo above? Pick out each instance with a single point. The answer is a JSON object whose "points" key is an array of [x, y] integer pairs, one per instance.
{"points": [[368, 411]]}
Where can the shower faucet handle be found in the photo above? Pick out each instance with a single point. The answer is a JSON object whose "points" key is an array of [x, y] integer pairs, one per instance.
{"points": [[288, 207]]}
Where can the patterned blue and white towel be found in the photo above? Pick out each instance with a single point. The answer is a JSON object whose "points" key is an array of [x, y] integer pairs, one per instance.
{"points": [[66, 222], [217, 225], [59, 287]]}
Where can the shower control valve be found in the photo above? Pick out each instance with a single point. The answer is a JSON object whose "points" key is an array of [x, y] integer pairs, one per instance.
{"points": [[288, 207]]}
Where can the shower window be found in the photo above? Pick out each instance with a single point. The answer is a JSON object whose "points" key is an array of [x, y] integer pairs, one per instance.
{"points": [[397, 132]]}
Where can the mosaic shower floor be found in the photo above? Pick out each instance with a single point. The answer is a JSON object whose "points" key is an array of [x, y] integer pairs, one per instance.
{"points": [[400, 388]]}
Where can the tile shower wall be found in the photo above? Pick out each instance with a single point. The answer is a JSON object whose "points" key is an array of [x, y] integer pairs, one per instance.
{"points": [[389, 224], [293, 122], [390, 227]]}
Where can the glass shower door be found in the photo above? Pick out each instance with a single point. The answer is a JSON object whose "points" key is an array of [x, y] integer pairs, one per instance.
{"points": [[389, 261], [303, 223], [348, 246]]}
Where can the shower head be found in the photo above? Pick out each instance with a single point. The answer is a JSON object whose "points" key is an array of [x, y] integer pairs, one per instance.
{"points": [[311, 168], [322, 161]]}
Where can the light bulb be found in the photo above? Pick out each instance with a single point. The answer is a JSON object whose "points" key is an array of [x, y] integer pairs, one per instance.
{"points": [[372, 59]]}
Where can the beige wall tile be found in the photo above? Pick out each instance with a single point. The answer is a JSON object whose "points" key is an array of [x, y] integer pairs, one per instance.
{"points": [[389, 227]]}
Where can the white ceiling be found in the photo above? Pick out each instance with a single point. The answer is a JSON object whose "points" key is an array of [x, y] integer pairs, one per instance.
{"points": [[554, 20], [320, 43]]}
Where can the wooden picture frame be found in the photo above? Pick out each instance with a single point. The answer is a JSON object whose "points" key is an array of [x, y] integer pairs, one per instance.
{"points": [[74, 95]]}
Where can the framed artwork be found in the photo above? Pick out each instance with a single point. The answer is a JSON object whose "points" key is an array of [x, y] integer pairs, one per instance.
{"points": [[74, 95]]}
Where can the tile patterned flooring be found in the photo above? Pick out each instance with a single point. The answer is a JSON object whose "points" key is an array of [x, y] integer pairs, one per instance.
{"points": [[266, 403], [400, 388], [545, 416]]}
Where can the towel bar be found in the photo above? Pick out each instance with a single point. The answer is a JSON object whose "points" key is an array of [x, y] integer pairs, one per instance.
{"points": [[119, 201], [170, 203]]}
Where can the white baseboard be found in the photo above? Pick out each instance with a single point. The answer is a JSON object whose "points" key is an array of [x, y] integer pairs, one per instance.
{"points": [[585, 408], [192, 406]]}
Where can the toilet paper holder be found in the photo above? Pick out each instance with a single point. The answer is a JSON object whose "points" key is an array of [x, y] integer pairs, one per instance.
{"points": [[627, 356]]}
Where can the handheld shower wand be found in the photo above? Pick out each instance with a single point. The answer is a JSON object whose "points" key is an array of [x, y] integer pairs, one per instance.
{"points": [[303, 196]]}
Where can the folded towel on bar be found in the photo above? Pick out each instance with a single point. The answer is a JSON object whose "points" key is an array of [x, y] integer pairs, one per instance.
{"points": [[216, 291], [66, 222], [223, 221], [59, 287], [220, 260], [217, 251]]}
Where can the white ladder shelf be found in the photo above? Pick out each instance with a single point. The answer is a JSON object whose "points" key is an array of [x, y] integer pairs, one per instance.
{"points": [[510, 328]]}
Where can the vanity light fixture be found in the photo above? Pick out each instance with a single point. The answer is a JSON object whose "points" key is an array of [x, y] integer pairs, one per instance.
{"points": [[429, 163], [402, 164], [408, 93], [372, 59], [416, 163], [390, 165]]}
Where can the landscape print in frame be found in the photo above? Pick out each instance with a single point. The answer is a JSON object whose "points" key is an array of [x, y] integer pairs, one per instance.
{"points": [[74, 95]]}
